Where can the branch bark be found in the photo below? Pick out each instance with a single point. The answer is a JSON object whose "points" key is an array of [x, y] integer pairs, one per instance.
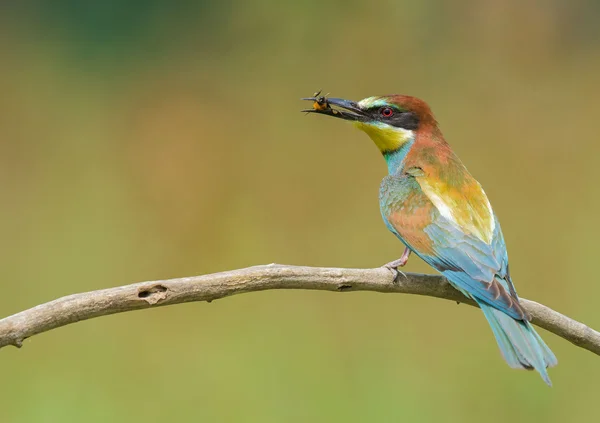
{"points": [[73, 308]]}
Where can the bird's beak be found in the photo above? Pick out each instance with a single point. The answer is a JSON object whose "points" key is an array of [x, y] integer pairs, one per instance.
{"points": [[336, 107]]}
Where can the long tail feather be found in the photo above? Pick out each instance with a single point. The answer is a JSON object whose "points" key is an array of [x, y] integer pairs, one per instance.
{"points": [[521, 346]]}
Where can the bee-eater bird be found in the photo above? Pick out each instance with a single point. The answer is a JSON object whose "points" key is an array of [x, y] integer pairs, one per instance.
{"points": [[430, 201]]}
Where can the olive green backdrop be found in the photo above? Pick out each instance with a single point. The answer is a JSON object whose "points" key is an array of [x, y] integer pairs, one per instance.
{"points": [[156, 139]]}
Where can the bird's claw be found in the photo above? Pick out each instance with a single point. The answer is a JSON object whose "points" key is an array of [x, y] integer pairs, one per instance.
{"points": [[394, 265], [395, 271]]}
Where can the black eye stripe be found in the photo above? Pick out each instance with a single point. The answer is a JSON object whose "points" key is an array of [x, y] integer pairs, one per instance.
{"points": [[406, 120], [399, 118]]}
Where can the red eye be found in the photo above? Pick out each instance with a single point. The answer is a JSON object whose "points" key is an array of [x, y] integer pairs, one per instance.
{"points": [[387, 112]]}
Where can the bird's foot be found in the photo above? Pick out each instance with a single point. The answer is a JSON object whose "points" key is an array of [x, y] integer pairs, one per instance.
{"points": [[395, 271], [394, 265]]}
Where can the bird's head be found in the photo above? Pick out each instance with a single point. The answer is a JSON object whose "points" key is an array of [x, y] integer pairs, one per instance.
{"points": [[391, 121]]}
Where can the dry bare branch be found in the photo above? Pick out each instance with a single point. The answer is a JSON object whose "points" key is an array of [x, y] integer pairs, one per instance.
{"points": [[73, 308]]}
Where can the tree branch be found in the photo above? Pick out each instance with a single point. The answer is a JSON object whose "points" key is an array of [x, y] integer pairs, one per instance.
{"points": [[73, 308]]}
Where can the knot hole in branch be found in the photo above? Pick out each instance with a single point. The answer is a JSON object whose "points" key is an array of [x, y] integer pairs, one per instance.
{"points": [[153, 294]]}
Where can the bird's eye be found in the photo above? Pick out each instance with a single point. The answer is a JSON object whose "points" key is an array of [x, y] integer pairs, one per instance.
{"points": [[386, 112]]}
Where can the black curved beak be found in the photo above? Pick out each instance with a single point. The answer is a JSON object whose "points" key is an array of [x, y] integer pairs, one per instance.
{"points": [[336, 107]]}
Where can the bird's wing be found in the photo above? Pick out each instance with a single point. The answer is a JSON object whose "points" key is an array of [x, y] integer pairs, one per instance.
{"points": [[465, 242], [464, 204], [478, 269]]}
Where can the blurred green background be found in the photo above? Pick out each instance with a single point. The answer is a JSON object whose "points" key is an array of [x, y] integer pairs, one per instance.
{"points": [[156, 139]]}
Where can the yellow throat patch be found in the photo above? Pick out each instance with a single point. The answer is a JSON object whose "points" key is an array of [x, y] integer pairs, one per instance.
{"points": [[386, 137]]}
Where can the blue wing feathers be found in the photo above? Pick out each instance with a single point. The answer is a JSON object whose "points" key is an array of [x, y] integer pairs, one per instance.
{"points": [[473, 266]]}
